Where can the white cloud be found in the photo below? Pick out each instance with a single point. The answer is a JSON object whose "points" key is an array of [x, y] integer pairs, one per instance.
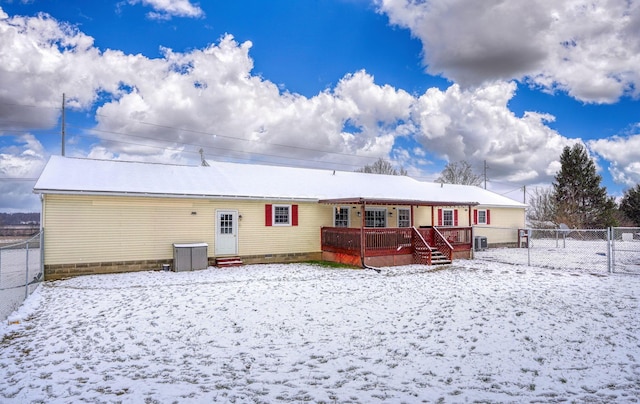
{"points": [[589, 49], [623, 154], [19, 165], [166, 9], [476, 125]]}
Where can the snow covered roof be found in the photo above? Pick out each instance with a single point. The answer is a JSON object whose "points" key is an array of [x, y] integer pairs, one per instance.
{"points": [[248, 181]]}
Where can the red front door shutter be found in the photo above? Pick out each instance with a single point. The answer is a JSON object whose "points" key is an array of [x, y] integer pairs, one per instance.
{"points": [[294, 215], [268, 216], [455, 217], [488, 217], [439, 217], [475, 216]]}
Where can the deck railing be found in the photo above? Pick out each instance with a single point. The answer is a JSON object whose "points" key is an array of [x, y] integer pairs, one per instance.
{"points": [[341, 240], [394, 241]]}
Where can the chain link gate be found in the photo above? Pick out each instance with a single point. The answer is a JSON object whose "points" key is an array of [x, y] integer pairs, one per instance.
{"points": [[625, 250]]}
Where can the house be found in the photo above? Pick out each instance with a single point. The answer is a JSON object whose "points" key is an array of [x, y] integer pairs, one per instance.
{"points": [[103, 216]]}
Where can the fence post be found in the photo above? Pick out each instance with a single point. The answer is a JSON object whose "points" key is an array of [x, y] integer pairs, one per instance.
{"points": [[529, 235], [26, 276], [610, 249], [42, 254]]}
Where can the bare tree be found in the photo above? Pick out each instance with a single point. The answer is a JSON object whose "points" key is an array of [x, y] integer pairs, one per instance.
{"points": [[382, 166], [459, 172], [542, 208]]}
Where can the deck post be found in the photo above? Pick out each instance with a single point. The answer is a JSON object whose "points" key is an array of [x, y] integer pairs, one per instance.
{"points": [[362, 237]]}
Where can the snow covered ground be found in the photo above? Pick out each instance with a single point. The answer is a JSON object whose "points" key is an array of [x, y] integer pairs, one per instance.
{"points": [[476, 331]]}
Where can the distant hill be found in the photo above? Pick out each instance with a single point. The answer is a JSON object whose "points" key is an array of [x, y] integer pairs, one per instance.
{"points": [[7, 219]]}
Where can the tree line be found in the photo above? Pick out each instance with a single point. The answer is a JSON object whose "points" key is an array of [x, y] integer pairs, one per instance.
{"points": [[7, 219], [576, 198]]}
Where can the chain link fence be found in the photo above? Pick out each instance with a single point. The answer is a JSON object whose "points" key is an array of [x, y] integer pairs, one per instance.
{"points": [[625, 250], [21, 272], [593, 250]]}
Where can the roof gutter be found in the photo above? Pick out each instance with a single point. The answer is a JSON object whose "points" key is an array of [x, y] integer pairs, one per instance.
{"points": [[177, 196]]}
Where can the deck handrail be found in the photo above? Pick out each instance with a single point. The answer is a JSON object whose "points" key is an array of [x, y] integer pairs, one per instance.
{"points": [[442, 244]]}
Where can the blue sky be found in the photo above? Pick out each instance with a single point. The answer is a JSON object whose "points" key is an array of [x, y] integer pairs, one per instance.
{"points": [[330, 83]]}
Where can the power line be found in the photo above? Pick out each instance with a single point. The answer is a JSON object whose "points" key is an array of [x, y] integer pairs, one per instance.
{"points": [[213, 147], [200, 132]]}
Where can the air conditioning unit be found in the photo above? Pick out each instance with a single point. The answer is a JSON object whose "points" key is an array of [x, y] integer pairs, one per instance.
{"points": [[480, 243]]}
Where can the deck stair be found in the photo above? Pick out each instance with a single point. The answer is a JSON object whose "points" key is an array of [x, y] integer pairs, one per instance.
{"points": [[437, 258], [226, 262]]}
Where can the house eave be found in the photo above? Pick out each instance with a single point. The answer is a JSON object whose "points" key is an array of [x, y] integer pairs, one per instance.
{"points": [[177, 196], [391, 201]]}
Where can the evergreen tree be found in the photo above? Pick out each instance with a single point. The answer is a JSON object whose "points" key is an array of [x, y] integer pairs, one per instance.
{"points": [[630, 204], [580, 201]]}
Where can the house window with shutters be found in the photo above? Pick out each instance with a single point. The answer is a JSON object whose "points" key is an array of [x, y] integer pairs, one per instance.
{"points": [[447, 217], [481, 216], [281, 215]]}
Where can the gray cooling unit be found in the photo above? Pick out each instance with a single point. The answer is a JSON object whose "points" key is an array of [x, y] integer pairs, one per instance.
{"points": [[480, 243], [189, 257]]}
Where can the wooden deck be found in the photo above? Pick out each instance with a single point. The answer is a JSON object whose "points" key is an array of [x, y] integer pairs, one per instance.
{"points": [[396, 246]]}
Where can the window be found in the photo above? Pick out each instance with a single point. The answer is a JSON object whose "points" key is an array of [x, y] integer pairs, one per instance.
{"points": [[482, 216], [341, 218], [375, 218], [281, 215], [447, 217], [404, 218], [226, 223]]}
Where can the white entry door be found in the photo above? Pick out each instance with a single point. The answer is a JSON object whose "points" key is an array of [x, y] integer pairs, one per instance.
{"points": [[226, 232]]}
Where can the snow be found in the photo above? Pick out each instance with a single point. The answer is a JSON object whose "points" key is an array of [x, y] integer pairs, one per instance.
{"points": [[248, 181], [475, 331]]}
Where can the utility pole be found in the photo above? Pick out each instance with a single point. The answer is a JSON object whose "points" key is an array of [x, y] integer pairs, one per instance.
{"points": [[485, 174], [62, 130], [524, 194]]}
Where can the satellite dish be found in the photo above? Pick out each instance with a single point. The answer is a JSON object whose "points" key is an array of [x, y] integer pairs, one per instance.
{"points": [[563, 226]]}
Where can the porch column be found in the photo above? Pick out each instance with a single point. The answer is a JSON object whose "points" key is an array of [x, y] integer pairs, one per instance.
{"points": [[362, 237]]}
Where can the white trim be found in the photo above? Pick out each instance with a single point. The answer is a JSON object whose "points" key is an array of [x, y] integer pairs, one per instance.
{"points": [[398, 216], [386, 222], [335, 212], [478, 216], [453, 218], [235, 227], [273, 215]]}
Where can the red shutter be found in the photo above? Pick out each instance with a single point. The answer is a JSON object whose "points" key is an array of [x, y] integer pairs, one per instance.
{"points": [[475, 216], [268, 215], [455, 217], [294, 215], [488, 217], [439, 217]]}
